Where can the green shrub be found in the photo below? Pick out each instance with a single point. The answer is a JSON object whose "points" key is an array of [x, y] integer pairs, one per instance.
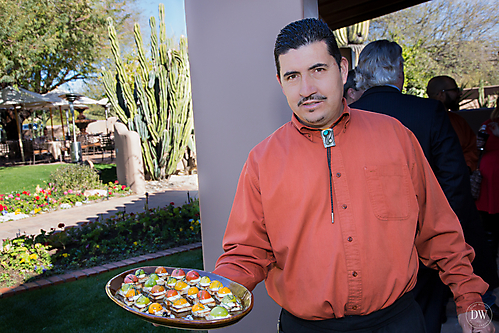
{"points": [[113, 239], [76, 178], [124, 234]]}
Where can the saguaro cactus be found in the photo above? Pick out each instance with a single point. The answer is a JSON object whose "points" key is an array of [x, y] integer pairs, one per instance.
{"points": [[158, 103], [352, 35]]}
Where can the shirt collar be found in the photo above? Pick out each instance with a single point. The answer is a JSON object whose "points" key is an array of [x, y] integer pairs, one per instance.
{"points": [[341, 122], [393, 86]]}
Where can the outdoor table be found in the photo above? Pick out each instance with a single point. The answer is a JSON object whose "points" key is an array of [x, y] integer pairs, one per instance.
{"points": [[55, 148]]}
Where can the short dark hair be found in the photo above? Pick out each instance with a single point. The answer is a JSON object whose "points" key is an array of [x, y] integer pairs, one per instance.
{"points": [[350, 82], [304, 32]]}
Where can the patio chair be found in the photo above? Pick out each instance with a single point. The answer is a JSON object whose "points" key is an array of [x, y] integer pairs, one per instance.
{"points": [[107, 144], [4, 150], [40, 149]]}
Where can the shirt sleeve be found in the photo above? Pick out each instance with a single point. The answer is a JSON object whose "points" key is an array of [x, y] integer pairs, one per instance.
{"points": [[440, 241], [247, 250], [450, 167]]}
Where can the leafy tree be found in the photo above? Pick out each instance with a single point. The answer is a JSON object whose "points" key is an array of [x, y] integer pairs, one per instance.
{"points": [[46, 43], [458, 38]]}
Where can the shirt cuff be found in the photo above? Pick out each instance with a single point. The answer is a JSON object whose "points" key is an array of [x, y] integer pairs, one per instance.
{"points": [[468, 302]]}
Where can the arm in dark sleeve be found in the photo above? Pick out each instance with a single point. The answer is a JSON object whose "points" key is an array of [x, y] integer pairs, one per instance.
{"points": [[450, 167]]}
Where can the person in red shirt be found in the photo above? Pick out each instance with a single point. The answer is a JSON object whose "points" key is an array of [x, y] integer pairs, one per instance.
{"points": [[488, 201], [335, 209]]}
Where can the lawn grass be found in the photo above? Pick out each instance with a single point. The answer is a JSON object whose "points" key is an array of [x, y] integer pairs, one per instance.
{"points": [[82, 305], [107, 172], [27, 177]]}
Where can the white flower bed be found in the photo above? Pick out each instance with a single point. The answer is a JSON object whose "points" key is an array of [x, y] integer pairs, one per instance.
{"points": [[12, 217]]}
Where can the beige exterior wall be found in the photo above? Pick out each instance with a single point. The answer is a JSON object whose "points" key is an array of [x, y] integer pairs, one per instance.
{"points": [[237, 103]]}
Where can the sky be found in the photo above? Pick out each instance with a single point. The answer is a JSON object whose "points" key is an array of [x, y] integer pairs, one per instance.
{"points": [[174, 19], [174, 16]]}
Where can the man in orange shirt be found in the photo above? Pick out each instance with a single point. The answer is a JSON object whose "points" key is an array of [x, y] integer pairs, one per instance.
{"points": [[444, 89], [335, 209]]}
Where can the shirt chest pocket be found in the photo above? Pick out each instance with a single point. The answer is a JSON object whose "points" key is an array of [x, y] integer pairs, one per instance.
{"points": [[389, 191]]}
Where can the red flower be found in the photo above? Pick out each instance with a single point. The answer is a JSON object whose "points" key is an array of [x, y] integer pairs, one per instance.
{"points": [[172, 203], [110, 193], [1, 208], [116, 182], [18, 195], [123, 187], [37, 198]]}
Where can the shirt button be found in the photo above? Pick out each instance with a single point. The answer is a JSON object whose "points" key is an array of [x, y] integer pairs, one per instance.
{"points": [[338, 174], [354, 307], [344, 206], [354, 274], [349, 239]]}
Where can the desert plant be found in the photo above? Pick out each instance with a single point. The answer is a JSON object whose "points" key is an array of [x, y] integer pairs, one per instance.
{"points": [[158, 106], [75, 178]]}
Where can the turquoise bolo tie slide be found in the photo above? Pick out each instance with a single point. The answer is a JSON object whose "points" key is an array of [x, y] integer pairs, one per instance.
{"points": [[328, 138]]}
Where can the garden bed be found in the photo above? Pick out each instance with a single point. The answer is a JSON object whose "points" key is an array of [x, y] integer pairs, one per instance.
{"points": [[122, 236]]}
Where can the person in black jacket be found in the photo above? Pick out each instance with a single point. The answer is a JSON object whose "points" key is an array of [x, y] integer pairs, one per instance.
{"points": [[381, 73]]}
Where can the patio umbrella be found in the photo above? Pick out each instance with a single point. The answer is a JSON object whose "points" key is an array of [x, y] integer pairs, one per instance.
{"points": [[14, 98], [10, 96], [55, 100]]}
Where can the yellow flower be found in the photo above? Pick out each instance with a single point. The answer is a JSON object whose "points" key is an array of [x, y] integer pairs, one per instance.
{"points": [[97, 246], [65, 255], [191, 227], [33, 256], [181, 229], [22, 260], [135, 243]]}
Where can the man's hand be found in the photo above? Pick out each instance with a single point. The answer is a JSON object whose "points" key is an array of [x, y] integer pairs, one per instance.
{"points": [[470, 322]]}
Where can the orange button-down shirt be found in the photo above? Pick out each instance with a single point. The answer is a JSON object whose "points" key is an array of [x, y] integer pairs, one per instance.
{"points": [[388, 209]]}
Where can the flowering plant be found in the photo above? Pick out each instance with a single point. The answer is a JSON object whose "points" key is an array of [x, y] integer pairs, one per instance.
{"points": [[113, 239], [23, 204], [24, 256]]}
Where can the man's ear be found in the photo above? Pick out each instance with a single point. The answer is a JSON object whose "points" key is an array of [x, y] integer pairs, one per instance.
{"points": [[344, 69], [350, 93], [278, 79]]}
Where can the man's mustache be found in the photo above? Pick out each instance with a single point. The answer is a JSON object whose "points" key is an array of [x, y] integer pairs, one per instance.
{"points": [[316, 97]]}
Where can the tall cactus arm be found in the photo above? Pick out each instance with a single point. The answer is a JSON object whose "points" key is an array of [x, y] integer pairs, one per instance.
{"points": [[154, 43], [127, 94], [110, 87]]}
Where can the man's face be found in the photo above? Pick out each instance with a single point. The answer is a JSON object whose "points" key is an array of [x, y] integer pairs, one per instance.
{"points": [[450, 95], [313, 84]]}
